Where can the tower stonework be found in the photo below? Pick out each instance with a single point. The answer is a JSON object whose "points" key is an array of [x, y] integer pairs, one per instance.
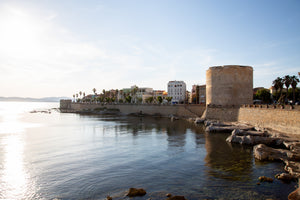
{"points": [[229, 85]]}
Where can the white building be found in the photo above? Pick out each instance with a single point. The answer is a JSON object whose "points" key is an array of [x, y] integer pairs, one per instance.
{"points": [[177, 90]]}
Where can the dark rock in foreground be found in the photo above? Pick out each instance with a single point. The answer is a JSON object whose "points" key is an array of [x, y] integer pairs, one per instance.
{"points": [[133, 192], [177, 198]]}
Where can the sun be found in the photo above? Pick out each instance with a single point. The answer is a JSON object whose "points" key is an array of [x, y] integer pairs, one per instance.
{"points": [[19, 35]]}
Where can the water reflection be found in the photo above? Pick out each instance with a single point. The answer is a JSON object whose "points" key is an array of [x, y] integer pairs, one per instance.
{"points": [[226, 162], [13, 176]]}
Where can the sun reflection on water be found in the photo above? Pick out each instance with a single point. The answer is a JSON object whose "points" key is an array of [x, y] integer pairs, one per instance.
{"points": [[14, 178]]}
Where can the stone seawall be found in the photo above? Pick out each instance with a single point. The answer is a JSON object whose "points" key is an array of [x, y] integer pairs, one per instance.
{"points": [[186, 111], [283, 120]]}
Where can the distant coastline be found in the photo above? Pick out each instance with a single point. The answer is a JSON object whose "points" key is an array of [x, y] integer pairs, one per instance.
{"points": [[29, 99]]}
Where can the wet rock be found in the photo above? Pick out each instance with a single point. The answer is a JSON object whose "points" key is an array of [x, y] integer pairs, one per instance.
{"points": [[263, 152], [168, 195], [285, 177], [252, 139], [133, 192], [176, 198], [265, 179], [293, 168], [199, 121], [295, 195]]}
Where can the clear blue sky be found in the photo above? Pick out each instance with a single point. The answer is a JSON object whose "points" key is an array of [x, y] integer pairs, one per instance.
{"points": [[58, 48]]}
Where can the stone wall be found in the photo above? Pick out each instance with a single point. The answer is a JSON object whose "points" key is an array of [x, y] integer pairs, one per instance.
{"points": [[284, 120], [225, 114], [186, 111], [229, 85]]}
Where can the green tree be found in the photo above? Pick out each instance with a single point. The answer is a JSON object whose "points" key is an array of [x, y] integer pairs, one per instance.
{"points": [[287, 82], [159, 99], [149, 99], [264, 95], [294, 82], [94, 90], [128, 99], [169, 99]]}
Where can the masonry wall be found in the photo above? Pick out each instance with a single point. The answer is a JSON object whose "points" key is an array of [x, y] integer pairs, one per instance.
{"points": [[284, 120], [229, 85], [149, 109]]}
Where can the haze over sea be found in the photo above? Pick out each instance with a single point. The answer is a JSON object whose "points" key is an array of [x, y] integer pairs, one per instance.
{"points": [[70, 156]]}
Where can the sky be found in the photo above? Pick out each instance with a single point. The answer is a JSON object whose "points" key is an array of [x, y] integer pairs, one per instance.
{"points": [[61, 47]]}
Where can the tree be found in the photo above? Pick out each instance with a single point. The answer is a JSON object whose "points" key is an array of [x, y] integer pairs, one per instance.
{"points": [[149, 99], [94, 90], [159, 99], [294, 82], [278, 84], [80, 93], [169, 99], [128, 99], [287, 82], [264, 95], [74, 97]]}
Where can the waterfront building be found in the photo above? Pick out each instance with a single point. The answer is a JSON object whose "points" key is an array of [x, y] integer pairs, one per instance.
{"points": [[202, 94], [177, 90]]}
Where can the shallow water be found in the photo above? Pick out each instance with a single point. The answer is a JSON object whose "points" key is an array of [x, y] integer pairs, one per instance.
{"points": [[71, 156]]}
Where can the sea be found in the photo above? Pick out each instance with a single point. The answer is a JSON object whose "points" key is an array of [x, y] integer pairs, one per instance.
{"points": [[45, 154]]}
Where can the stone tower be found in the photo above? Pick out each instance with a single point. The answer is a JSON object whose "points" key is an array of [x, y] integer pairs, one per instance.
{"points": [[229, 85]]}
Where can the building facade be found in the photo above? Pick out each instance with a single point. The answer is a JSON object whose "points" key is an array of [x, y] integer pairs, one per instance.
{"points": [[177, 90]]}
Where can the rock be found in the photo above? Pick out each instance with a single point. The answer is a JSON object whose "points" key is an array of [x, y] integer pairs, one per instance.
{"points": [[199, 121], [293, 168], [285, 177], [263, 152], [133, 192], [238, 137], [108, 198], [168, 195], [240, 132], [295, 195], [265, 179], [224, 129], [176, 198]]}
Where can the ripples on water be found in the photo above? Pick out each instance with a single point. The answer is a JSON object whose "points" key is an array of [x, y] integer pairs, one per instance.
{"points": [[70, 156]]}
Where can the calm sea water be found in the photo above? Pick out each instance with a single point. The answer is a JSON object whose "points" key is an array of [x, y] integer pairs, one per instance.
{"points": [[71, 156]]}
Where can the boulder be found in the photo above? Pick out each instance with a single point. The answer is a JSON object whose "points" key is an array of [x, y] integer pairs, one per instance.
{"points": [[285, 177], [108, 198], [176, 198], [133, 192], [199, 121], [263, 152], [265, 179], [238, 137], [295, 195], [293, 168]]}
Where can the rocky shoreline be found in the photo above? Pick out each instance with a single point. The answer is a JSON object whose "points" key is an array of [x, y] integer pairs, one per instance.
{"points": [[268, 145]]}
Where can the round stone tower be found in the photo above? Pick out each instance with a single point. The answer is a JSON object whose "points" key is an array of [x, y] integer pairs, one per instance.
{"points": [[229, 85]]}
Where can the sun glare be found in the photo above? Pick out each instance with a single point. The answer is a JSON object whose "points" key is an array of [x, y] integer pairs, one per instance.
{"points": [[19, 34]]}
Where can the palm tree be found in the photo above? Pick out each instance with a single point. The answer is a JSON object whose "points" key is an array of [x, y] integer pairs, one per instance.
{"points": [[80, 93], [94, 90], [74, 97], [294, 82], [103, 91], [278, 84], [77, 97], [287, 82]]}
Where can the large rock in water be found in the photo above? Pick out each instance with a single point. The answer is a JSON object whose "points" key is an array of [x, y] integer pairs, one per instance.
{"points": [[133, 192], [295, 195], [263, 152], [293, 168], [177, 198], [253, 140]]}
